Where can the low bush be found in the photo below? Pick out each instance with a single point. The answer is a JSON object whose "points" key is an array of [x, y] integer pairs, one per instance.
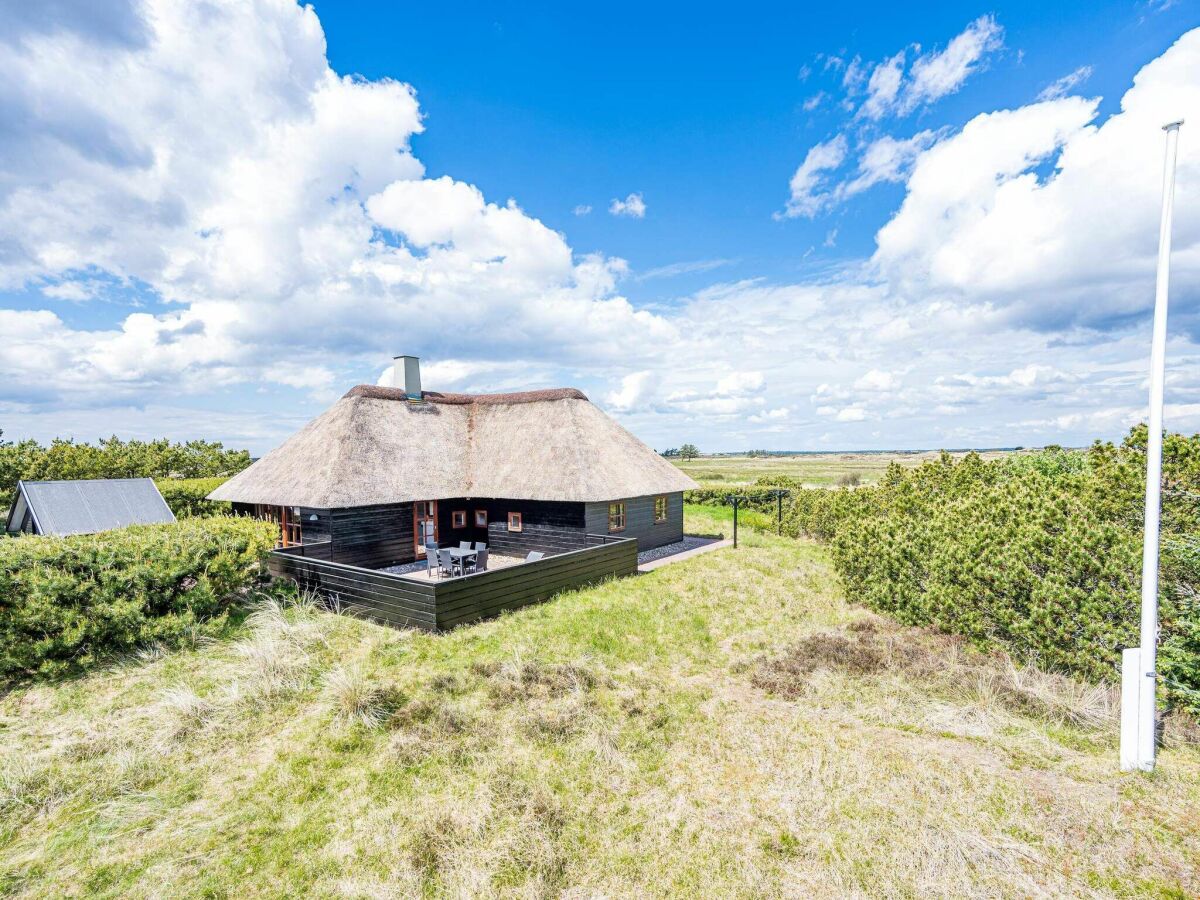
{"points": [[186, 496], [67, 602], [1038, 554]]}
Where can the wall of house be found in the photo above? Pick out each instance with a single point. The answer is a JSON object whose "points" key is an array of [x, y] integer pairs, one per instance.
{"points": [[548, 526], [639, 520], [368, 536]]}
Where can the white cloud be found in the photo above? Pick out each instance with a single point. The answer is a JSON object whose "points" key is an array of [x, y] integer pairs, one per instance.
{"points": [[1076, 244], [637, 389], [877, 380], [1060, 87], [739, 384], [671, 270], [936, 75], [581, 210], [883, 88], [632, 206], [284, 222], [776, 415], [807, 194], [287, 235]]}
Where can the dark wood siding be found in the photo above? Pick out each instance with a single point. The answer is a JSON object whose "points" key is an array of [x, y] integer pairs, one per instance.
{"points": [[639, 520], [361, 592], [438, 605], [368, 536], [545, 524], [373, 536], [462, 600]]}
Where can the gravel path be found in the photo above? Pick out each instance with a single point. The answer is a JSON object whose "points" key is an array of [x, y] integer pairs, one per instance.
{"points": [[689, 542]]}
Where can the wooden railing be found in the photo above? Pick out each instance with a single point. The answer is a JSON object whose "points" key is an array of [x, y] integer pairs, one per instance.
{"points": [[439, 605]]}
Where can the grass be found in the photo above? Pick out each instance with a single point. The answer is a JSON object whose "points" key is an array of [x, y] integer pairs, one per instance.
{"points": [[813, 469], [726, 726]]}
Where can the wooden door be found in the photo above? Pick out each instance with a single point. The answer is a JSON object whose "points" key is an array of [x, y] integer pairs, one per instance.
{"points": [[425, 528]]}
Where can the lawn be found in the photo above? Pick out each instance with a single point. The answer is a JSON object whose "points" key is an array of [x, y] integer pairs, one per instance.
{"points": [[814, 469], [725, 726]]}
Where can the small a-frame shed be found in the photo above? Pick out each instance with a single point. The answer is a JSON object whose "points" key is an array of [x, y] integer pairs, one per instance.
{"points": [[86, 506]]}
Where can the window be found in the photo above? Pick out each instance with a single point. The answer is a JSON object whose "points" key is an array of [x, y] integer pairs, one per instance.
{"points": [[660, 510], [458, 518], [481, 518], [286, 517], [616, 516], [514, 522]]}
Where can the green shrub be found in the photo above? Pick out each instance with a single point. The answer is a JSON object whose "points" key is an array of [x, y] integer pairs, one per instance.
{"points": [[186, 496], [1039, 554], [67, 602], [114, 458]]}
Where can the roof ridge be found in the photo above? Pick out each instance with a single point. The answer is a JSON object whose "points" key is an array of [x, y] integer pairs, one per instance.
{"points": [[376, 392]]}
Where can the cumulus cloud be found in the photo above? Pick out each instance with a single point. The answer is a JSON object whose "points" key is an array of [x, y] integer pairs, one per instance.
{"points": [[637, 389], [984, 221], [632, 206], [284, 237], [280, 222]]}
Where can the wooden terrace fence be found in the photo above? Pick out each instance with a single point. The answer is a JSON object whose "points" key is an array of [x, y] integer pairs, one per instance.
{"points": [[440, 605]]}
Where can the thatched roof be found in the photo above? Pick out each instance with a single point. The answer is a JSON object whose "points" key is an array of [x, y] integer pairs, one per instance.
{"points": [[375, 446]]}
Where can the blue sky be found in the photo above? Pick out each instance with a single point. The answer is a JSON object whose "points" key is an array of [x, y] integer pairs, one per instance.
{"points": [[248, 232]]}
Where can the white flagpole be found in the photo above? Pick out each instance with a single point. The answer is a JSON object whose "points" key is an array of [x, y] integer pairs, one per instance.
{"points": [[1143, 755]]}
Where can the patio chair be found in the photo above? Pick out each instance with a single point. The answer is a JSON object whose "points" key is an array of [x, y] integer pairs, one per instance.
{"points": [[431, 558], [480, 545], [481, 559], [534, 555], [464, 545], [446, 563]]}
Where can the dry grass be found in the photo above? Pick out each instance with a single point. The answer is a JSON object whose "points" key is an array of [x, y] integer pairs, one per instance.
{"points": [[354, 698], [727, 726], [943, 666]]}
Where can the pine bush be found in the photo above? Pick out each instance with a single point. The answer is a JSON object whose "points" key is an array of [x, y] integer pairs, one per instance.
{"points": [[68, 602]]}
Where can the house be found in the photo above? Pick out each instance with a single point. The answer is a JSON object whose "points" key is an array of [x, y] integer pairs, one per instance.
{"points": [[387, 470], [86, 506]]}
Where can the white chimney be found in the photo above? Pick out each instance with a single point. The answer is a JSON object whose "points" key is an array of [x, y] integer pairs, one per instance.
{"points": [[406, 373]]}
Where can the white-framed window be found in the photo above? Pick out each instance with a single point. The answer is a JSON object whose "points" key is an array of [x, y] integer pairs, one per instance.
{"points": [[458, 518], [660, 510], [616, 516], [514, 522]]}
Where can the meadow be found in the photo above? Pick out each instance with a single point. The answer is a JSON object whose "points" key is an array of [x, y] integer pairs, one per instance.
{"points": [[813, 469], [730, 725]]}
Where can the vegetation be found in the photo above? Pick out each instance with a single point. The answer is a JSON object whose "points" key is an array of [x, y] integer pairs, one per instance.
{"points": [[186, 496], [114, 458], [67, 602], [725, 726], [1037, 554], [806, 469], [688, 451]]}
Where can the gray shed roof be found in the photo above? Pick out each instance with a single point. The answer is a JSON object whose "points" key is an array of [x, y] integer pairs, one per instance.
{"points": [[88, 506]]}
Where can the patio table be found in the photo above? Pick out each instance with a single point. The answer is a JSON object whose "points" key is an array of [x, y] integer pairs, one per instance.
{"points": [[461, 555]]}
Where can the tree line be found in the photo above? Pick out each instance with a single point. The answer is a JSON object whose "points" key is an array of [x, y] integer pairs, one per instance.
{"points": [[65, 459]]}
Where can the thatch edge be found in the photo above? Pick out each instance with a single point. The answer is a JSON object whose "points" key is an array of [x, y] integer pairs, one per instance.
{"points": [[375, 392]]}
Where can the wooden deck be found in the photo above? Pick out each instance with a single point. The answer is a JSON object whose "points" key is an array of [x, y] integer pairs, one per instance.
{"points": [[436, 605]]}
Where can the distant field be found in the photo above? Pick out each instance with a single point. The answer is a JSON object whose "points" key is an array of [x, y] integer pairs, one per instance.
{"points": [[814, 468]]}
